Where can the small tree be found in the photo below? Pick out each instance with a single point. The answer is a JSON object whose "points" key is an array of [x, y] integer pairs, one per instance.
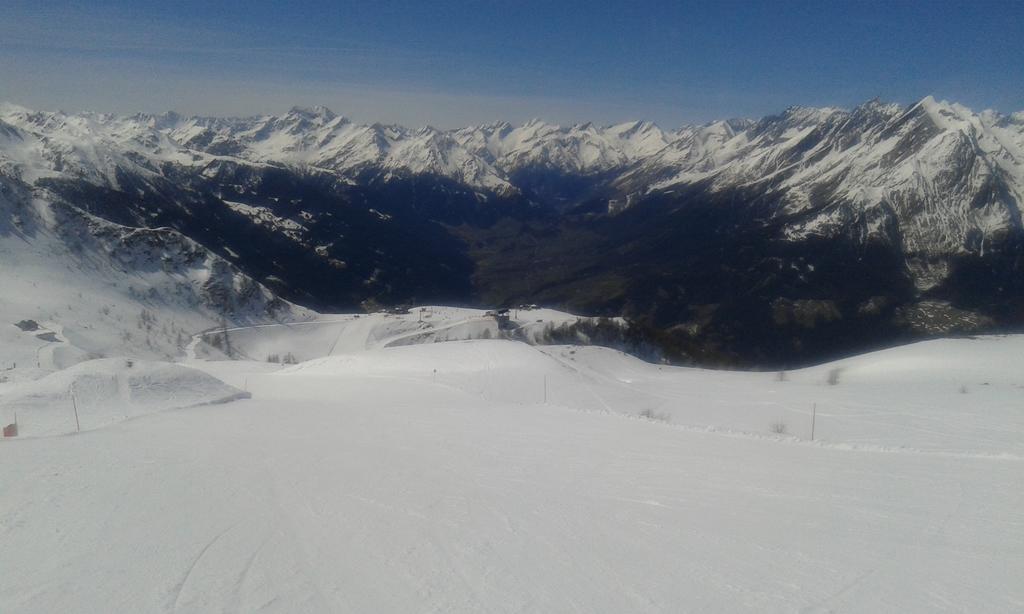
{"points": [[228, 350]]}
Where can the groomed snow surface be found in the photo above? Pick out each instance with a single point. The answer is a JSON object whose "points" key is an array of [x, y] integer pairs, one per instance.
{"points": [[399, 469]]}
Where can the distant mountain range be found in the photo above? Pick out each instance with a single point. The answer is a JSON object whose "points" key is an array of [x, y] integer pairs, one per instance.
{"points": [[766, 242]]}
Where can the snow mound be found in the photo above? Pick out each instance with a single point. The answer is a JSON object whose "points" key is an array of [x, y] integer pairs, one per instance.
{"points": [[494, 370], [983, 360], [454, 357], [107, 391]]}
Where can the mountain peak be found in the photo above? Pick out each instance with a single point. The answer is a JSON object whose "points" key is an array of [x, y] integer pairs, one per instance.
{"points": [[633, 127], [535, 122], [945, 115], [944, 107], [315, 112]]}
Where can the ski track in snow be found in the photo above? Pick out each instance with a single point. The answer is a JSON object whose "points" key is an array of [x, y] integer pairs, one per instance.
{"points": [[180, 586]]}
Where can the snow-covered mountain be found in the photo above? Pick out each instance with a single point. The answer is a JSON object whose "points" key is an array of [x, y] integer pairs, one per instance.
{"points": [[872, 155], [952, 178], [92, 145], [583, 148], [77, 286], [916, 205], [935, 176]]}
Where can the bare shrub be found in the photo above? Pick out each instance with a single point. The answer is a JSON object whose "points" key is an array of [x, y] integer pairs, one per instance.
{"points": [[963, 389], [779, 427], [656, 416], [781, 376], [833, 376]]}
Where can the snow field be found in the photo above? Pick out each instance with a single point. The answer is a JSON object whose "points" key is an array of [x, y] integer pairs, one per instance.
{"points": [[434, 477], [376, 495]]}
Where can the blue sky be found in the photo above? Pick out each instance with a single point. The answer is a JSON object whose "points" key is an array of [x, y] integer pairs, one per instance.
{"points": [[448, 63]]}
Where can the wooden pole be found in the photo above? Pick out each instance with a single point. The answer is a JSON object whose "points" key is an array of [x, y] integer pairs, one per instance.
{"points": [[814, 414], [74, 404]]}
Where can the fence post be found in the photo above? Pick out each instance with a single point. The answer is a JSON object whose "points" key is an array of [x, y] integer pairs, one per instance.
{"points": [[814, 414], [74, 404]]}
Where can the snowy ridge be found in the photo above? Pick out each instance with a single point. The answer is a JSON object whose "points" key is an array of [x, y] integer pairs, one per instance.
{"points": [[92, 146], [583, 148], [951, 180]]}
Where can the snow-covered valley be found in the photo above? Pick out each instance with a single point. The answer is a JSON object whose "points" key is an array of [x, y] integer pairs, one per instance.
{"points": [[405, 463]]}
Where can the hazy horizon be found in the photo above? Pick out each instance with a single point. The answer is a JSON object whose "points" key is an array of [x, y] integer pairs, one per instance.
{"points": [[453, 63], [369, 121]]}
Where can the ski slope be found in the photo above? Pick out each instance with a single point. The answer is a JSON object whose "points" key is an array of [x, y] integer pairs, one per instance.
{"points": [[488, 475]]}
